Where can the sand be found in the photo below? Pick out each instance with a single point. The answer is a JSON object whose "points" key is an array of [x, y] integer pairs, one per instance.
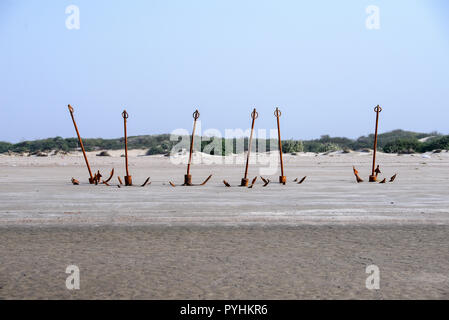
{"points": [[280, 242]]}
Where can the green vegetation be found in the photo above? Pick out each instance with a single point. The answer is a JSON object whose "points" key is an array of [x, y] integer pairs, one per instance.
{"points": [[5, 146], [391, 142], [441, 142], [402, 146], [292, 146]]}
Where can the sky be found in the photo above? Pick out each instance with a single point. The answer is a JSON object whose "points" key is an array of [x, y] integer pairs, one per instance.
{"points": [[160, 60]]}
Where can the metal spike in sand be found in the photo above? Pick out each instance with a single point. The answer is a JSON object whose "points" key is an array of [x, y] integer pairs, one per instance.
{"points": [[188, 176]]}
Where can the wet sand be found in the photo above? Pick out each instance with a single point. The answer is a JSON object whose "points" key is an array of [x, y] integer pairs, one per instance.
{"points": [[308, 241], [154, 262]]}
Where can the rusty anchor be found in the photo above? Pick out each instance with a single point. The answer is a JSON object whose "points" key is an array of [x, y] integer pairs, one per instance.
{"points": [[375, 170], [302, 180], [282, 178], [127, 178], [244, 183], [253, 182], [110, 177], [245, 180], [265, 181], [188, 176], [93, 179], [356, 173]]}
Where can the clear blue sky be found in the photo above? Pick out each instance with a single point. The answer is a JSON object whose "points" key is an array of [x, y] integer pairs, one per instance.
{"points": [[162, 59]]}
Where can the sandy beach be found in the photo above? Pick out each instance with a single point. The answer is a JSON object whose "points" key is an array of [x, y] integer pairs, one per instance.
{"points": [[308, 241]]}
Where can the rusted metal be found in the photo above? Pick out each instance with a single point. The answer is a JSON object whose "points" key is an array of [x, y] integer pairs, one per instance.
{"points": [[119, 180], [110, 177], [98, 177], [75, 182], [253, 182], [250, 186], [393, 177], [205, 181], [245, 181], [188, 176], [188, 180], [91, 177], [128, 178], [377, 171], [302, 180], [356, 173], [146, 181], [282, 178], [265, 181], [254, 116], [373, 176]]}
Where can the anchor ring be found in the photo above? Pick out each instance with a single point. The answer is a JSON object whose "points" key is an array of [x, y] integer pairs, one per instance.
{"points": [[125, 114], [70, 108], [254, 114], [196, 114], [277, 113], [377, 109]]}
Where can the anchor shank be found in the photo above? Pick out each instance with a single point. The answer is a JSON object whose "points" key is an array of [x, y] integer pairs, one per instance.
{"points": [[250, 143], [280, 145], [375, 141], [191, 145], [126, 146], [81, 143]]}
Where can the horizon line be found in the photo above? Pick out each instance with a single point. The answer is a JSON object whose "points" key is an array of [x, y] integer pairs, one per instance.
{"points": [[432, 133]]}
